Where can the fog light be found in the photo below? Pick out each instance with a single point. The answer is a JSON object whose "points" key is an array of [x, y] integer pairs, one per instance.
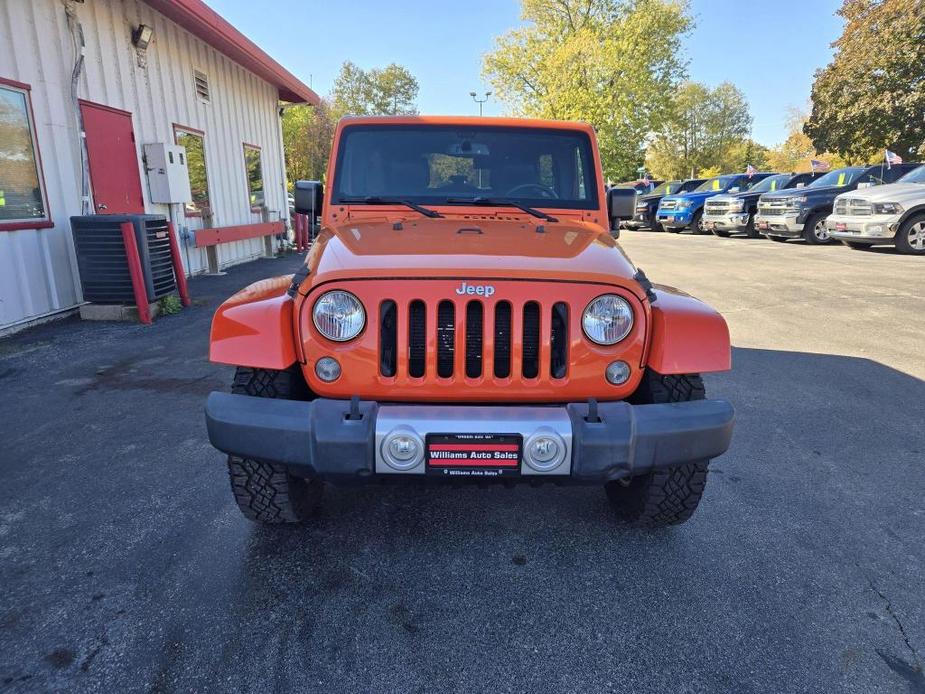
{"points": [[876, 229], [544, 450], [402, 449], [617, 373], [327, 369]]}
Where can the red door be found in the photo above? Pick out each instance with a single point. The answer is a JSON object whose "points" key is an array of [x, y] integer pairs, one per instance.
{"points": [[113, 160]]}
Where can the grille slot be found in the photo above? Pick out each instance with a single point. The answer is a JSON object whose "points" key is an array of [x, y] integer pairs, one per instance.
{"points": [[417, 338], [503, 339], [388, 338], [531, 343], [558, 363], [474, 327], [446, 338]]}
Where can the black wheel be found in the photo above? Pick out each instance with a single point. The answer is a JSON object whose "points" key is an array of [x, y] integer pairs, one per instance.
{"points": [[750, 230], [855, 246], [911, 235], [815, 230], [662, 497], [266, 492], [779, 239], [697, 223]]}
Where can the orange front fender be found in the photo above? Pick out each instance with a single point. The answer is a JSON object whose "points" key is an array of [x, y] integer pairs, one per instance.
{"points": [[687, 335], [254, 327]]}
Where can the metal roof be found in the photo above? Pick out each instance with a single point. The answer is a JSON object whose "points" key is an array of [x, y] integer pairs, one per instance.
{"points": [[204, 22]]}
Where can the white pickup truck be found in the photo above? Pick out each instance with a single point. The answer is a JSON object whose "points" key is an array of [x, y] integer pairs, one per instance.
{"points": [[892, 215]]}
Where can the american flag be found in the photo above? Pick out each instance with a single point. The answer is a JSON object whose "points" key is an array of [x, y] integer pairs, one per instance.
{"points": [[819, 165], [750, 170], [892, 158]]}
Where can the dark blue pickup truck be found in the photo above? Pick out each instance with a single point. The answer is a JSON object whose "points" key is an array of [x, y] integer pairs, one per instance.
{"points": [[677, 212], [647, 205]]}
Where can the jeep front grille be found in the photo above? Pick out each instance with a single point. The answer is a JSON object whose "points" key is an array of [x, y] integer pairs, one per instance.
{"points": [[443, 336]]}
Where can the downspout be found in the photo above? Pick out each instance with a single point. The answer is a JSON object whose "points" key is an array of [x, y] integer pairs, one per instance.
{"points": [[281, 109], [77, 41]]}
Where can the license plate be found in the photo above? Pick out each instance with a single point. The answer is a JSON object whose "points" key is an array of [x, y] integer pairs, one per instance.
{"points": [[474, 455], [841, 226], [764, 225]]}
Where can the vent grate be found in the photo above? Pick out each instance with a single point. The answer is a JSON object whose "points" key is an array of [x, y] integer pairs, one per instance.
{"points": [[446, 338], [388, 338], [531, 344], [417, 338], [201, 81], [558, 364], [474, 321], [503, 339]]}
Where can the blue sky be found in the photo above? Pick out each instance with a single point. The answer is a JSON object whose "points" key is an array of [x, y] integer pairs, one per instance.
{"points": [[769, 49]]}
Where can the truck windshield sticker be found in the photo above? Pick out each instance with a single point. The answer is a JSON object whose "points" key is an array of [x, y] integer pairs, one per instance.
{"points": [[667, 190], [773, 185], [716, 184], [841, 179]]}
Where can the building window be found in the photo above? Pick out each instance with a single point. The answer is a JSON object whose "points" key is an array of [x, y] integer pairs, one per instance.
{"points": [[195, 143], [23, 202], [254, 177]]}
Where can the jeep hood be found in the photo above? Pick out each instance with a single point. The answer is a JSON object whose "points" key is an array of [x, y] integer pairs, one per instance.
{"points": [[469, 248], [891, 192]]}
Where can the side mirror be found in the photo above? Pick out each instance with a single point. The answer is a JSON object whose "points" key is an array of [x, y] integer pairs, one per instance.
{"points": [[621, 204], [308, 198], [734, 189]]}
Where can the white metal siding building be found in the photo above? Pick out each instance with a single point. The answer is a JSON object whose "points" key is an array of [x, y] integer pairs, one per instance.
{"points": [[198, 82]]}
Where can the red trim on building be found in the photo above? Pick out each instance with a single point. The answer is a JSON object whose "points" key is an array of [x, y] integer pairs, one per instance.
{"points": [[106, 107], [13, 83], [186, 128], [202, 21], [213, 237], [46, 222]]}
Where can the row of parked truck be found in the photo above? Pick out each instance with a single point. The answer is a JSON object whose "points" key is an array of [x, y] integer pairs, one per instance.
{"points": [[861, 206]]}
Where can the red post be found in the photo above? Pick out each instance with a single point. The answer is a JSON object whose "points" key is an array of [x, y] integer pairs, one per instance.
{"points": [[178, 270], [135, 271], [300, 232]]}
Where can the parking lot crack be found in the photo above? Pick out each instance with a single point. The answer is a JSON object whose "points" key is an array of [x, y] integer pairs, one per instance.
{"points": [[888, 606]]}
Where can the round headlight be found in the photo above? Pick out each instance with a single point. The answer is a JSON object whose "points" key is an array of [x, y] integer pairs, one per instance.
{"points": [[339, 316], [607, 319]]}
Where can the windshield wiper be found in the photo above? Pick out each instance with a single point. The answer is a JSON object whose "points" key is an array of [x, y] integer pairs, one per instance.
{"points": [[502, 202], [377, 200]]}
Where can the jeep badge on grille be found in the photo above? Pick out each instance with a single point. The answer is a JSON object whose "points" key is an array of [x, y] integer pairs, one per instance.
{"points": [[485, 290]]}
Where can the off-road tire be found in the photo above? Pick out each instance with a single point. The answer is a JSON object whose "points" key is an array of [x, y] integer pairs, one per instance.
{"points": [[811, 230], [266, 492], [662, 497], [911, 236]]}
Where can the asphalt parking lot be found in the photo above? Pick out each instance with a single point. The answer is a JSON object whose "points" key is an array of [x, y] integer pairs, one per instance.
{"points": [[125, 567]]}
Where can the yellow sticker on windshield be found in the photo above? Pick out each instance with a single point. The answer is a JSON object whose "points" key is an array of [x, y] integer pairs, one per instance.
{"points": [[841, 179], [667, 190], [773, 185], [716, 184]]}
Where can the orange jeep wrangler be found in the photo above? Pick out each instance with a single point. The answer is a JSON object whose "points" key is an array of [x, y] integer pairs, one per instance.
{"points": [[466, 314]]}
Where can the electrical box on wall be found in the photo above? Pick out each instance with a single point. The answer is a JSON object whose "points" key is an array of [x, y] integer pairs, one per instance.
{"points": [[168, 175]]}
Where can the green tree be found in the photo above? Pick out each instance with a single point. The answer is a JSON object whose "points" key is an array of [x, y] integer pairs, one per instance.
{"points": [[872, 95], [307, 135], [388, 91], [611, 63], [796, 151], [706, 128]]}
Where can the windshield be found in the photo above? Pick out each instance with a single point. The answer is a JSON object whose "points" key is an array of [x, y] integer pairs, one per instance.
{"points": [[667, 188], [715, 183], [914, 176], [839, 177], [448, 164], [770, 184]]}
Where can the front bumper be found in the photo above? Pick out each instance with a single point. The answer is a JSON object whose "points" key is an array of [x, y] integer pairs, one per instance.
{"points": [[340, 441], [674, 219], [789, 225], [872, 228], [732, 221], [640, 220]]}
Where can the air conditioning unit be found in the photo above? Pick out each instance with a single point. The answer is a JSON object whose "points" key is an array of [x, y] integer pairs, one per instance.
{"points": [[103, 263]]}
